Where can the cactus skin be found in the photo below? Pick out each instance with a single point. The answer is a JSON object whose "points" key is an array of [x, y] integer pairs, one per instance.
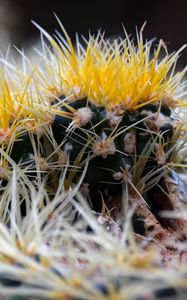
{"points": [[129, 138], [114, 140]]}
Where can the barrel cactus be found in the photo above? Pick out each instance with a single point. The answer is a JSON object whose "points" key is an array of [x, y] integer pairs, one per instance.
{"points": [[93, 129], [113, 105]]}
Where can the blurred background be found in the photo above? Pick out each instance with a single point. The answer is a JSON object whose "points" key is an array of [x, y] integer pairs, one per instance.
{"points": [[165, 19]]}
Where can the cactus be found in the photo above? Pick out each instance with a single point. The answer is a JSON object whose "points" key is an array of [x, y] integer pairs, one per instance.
{"points": [[107, 106], [93, 129], [114, 104]]}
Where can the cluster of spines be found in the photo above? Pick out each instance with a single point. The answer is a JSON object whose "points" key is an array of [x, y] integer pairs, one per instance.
{"points": [[111, 75], [43, 256]]}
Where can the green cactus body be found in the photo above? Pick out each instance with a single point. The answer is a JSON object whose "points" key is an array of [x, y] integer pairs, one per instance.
{"points": [[114, 141]]}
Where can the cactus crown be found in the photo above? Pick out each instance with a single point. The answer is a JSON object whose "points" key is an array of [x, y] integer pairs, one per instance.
{"points": [[121, 72]]}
